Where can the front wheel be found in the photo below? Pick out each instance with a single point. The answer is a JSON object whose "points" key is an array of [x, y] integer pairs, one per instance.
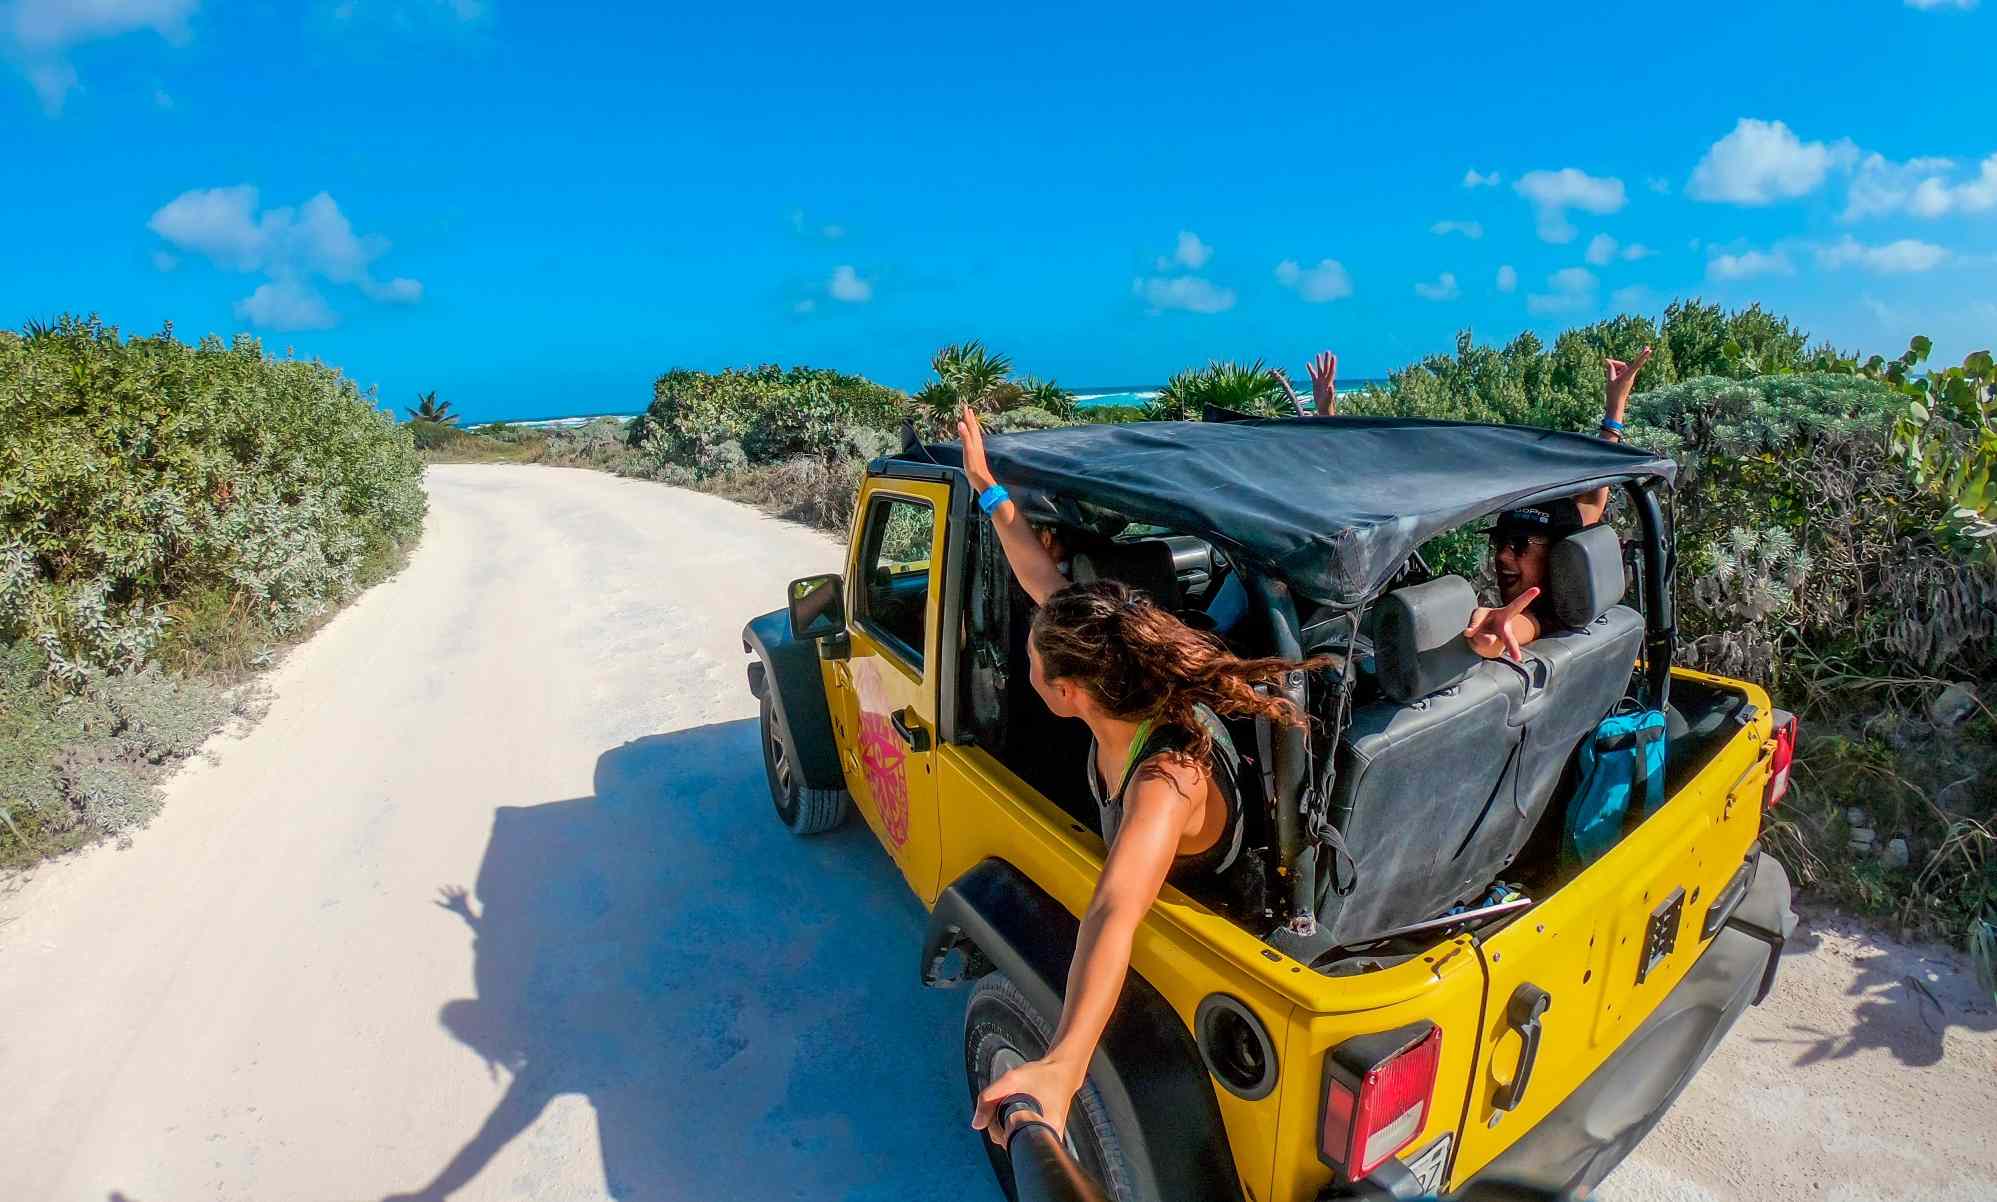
{"points": [[1002, 1031], [802, 809]]}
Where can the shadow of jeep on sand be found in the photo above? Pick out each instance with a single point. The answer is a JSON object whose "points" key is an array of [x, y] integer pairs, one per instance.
{"points": [[740, 1007]]}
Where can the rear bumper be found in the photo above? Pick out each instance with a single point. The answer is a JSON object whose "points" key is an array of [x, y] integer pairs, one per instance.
{"points": [[1587, 1135]]}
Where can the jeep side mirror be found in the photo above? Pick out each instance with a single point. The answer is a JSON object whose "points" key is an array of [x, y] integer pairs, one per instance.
{"points": [[817, 608]]}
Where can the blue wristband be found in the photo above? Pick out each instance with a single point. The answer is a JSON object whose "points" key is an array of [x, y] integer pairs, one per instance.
{"points": [[1612, 425], [993, 497]]}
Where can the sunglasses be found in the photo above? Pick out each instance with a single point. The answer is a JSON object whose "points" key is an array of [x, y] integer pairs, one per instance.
{"points": [[1517, 542]]}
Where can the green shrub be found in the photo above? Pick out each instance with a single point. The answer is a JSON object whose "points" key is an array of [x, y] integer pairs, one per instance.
{"points": [[133, 471], [770, 412], [83, 762], [1242, 387]]}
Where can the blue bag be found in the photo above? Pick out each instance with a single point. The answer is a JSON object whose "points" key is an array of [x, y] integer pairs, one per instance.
{"points": [[1621, 782]]}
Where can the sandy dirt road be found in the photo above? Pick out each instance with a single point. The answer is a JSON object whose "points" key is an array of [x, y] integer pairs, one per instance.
{"points": [[491, 906]]}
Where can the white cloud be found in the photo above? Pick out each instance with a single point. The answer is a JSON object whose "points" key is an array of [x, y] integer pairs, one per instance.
{"points": [[1637, 250], [1508, 278], [1748, 264], [1328, 281], [1761, 162], [1634, 299], [1601, 249], [288, 245], [39, 33], [1443, 289], [806, 305], [798, 224], [399, 291], [1191, 253], [1188, 292], [1471, 179], [1552, 193], [1894, 258], [846, 285], [1919, 187], [1469, 229], [286, 304], [162, 261], [1568, 289], [1658, 184], [1931, 5]]}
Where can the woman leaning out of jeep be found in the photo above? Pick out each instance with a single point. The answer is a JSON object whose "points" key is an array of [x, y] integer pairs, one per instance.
{"points": [[1161, 768]]}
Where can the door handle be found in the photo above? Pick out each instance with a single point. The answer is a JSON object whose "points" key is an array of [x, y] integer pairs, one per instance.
{"points": [[1528, 1002], [904, 723]]}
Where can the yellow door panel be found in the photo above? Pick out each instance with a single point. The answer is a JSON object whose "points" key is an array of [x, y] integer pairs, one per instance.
{"points": [[883, 696]]}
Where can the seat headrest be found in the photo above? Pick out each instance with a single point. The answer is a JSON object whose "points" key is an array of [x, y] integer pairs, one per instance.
{"points": [[1584, 576], [1146, 565], [1418, 643]]}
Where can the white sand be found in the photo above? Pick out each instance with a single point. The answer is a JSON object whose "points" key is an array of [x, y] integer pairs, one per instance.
{"points": [[664, 995]]}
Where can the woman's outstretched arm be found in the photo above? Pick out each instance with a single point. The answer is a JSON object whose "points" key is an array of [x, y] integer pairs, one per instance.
{"points": [[1038, 574], [1159, 804], [1621, 379]]}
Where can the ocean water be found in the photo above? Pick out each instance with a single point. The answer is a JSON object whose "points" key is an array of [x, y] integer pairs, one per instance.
{"points": [[1085, 398], [1088, 398]]}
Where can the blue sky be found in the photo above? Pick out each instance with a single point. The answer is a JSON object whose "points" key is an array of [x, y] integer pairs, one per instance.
{"points": [[536, 209]]}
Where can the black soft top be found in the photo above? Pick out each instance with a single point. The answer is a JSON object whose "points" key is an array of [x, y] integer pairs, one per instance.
{"points": [[1334, 506]]}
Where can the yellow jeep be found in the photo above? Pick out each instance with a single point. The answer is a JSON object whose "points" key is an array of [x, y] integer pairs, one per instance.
{"points": [[1426, 985]]}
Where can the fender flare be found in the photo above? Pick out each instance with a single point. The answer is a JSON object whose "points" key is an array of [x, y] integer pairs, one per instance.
{"points": [[787, 672], [1147, 1068]]}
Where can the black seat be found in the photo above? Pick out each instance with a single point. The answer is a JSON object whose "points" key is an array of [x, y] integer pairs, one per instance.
{"points": [[1581, 666], [1440, 785], [1423, 793], [1147, 565]]}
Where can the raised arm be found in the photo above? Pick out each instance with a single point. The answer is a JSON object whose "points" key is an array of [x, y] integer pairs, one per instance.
{"points": [[1159, 804], [1504, 631], [1038, 574], [1621, 379], [1324, 384]]}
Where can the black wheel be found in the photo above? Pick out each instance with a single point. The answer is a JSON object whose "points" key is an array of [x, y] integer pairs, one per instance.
{"points": [[1002, 1030], [801, 808]]}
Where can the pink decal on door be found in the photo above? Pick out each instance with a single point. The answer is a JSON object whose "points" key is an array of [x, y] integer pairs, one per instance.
{"points": [[883, 755]]}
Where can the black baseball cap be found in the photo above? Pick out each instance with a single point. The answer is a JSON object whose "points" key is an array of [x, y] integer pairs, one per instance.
{"points": [[1554, 519]]}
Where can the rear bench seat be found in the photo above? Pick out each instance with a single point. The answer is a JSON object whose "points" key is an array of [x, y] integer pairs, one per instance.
{"points": [[1440, 784]]}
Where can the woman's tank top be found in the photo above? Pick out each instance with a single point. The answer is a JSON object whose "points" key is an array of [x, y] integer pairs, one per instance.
{"points": [[1224, 763]]}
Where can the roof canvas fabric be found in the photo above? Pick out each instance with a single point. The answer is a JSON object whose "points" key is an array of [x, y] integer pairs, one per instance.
{"points": [[1332, 506]]}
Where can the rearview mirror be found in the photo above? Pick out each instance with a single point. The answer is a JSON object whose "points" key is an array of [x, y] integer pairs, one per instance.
{"points": [[817, 608]]}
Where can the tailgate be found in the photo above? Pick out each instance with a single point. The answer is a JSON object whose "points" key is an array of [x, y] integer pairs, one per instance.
{"points": [[1569, 981]]}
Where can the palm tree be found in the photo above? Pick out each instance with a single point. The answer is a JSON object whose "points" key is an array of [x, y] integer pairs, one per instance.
{"points": [[1246, 388], [967, 374], [429, 409], [1046, 394]]}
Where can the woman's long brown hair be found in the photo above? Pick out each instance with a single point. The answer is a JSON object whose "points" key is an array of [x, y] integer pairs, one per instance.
{"points": [[1138, 661]]}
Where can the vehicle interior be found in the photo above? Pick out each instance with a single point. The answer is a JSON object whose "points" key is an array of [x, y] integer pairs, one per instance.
{"points": [[1449, 774]]}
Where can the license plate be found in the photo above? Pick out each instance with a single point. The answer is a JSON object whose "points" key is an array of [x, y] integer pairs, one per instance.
{"points": [[1429, 1165]]}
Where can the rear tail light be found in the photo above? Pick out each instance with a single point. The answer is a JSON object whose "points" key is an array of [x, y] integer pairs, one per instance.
{"points": [[1780, 762], [1377, 1090]]}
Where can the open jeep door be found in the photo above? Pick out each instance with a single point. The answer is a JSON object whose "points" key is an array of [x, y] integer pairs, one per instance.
{"points": [[883, 695]]}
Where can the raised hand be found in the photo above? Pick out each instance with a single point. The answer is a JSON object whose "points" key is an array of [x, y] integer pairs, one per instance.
{"points": [[1490, 630], [1622, 378], [1324, 383], [972, 435]]}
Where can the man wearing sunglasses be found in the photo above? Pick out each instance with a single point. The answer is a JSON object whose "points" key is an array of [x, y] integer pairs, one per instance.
{"points": [[1522, 541]]}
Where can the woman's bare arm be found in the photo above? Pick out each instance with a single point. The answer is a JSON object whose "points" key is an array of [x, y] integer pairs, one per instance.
{"points": [[1038, 574], [1156, 809], [1621, 379]]}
